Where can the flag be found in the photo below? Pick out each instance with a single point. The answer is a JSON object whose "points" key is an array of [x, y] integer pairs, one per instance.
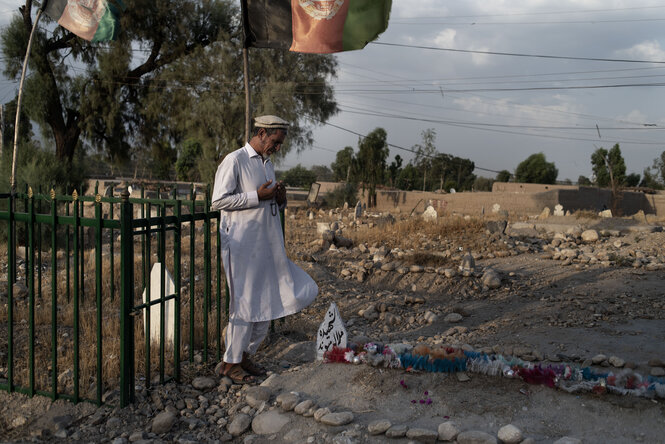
{"points": [[94, 20], [314, 26]]}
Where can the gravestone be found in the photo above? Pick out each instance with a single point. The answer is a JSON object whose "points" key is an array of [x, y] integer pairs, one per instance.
{"points": [[169, 306], [331, 332], [430, 214], [558, 210], [496, 208], [358, 212]]}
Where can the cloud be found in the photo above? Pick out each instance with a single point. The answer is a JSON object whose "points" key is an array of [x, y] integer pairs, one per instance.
{"points": [[635, 116], [647, 50]]}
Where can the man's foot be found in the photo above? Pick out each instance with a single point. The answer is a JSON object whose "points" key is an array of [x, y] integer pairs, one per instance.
{"points": [[236, 373], [251, 368]]}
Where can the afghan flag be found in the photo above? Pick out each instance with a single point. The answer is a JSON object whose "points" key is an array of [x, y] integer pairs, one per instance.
{"points": [[315, 26], [94, 20]]}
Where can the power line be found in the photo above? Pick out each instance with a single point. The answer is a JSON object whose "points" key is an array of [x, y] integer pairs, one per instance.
{"points": [[516, 54], [393, 145]]}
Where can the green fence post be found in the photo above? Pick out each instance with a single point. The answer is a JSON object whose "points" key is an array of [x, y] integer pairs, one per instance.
{"points": [[161, 254], [11, 257], [126, 301], [39, 245], [192, 266], [31, 290], [81, 204], [111, 253], [98, 289], [54, 296], [219, 291], [206, 267], [177, 241], [77, 269]]}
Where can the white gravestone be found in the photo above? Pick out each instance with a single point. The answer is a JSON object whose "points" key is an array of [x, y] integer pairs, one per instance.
{"points": [[496, 208], [331, 332], [155, 294], [430, 214], [558, 210]]}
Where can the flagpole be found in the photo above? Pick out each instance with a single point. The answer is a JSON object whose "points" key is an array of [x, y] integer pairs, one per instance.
{"points": [[245, 64], [20, 96]]}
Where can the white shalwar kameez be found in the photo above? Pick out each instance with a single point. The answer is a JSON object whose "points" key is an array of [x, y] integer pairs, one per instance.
{"points": [[263, 283]]}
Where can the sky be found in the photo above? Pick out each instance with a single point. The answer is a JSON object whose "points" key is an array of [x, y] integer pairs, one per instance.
{"points": [[497, 110], [499, 81]]}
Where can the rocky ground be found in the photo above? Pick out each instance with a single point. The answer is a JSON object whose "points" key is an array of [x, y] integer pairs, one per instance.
{"points": [[582, 291]]}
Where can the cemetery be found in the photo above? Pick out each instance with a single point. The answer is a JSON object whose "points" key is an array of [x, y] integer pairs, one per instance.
{"points": [[430, 326]]}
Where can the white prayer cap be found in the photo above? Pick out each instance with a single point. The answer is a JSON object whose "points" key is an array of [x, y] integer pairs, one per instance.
{"points": [[271, 122]]}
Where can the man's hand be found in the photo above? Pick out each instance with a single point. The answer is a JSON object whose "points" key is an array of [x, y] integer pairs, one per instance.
{"points": [[266, 192], [280, 193]]}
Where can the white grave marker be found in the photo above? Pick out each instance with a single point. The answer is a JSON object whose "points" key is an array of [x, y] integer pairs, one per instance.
{"points": [[331, 332], [558, 210], [155, 289], [430, 214]]}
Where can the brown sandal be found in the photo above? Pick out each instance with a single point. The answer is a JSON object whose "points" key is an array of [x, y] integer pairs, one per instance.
{"points": [[238, 375], [251, 368]]}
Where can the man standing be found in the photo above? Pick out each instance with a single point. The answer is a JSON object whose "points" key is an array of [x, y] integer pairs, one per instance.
{"points": [[263, 283]]}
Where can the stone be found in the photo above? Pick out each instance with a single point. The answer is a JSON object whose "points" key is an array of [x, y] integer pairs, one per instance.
{"points": [[155, 310], [137, 436], [204, 383], [453, 318], [449, 273], [657, 371], [320, 413], [510, 434], [598, 359], [270, 422], [448, 431], [239, 424], [545, 213], [422, 435], [475, 437], [491, 279], [19, 290], [163, 422], [617, 362], [337, 418], [590, 236], [568, 439], [605, 213], [303, 407], [430, 214], [378, 427], [257, 395], [468, 264], [358, 212], [496, 226], [288, 401], [397, 431], [558, 210], [462, 377], [331, 332], [18, 421], [655, 362], [119, 440]]}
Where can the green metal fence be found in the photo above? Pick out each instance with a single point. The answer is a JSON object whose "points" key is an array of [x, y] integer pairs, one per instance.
{"points": [[76, 322]]}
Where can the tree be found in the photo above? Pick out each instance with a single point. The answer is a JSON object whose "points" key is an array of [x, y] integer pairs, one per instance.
{"points": [[536, 169], [649, 180], [632, 180], [425, 154], [659, 167], [482, 184], [408, 178], [298, 176], [322, 172], [291, 85], [372, 154], [343, 165], [452, 172], [603, 161], [503, 176], [102, 103], [394, 169], [583, 181], [185, 166]]}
